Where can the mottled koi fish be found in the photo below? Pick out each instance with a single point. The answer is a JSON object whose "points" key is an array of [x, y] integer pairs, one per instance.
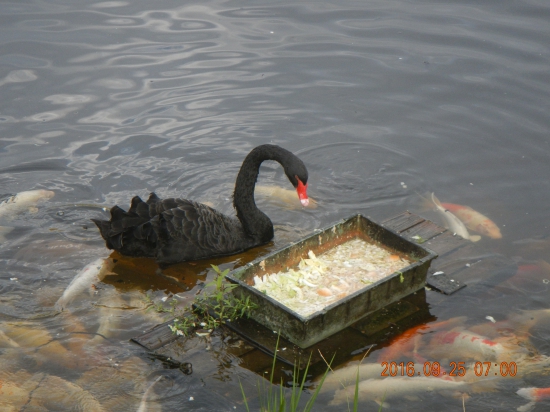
{"points": [[465, 344], [474, 220], [534, 395], [407, 343]]}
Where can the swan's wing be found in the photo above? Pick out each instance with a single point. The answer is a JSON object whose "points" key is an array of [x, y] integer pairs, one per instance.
{"points": [[192, 231], [172, 230], [128, 232]]}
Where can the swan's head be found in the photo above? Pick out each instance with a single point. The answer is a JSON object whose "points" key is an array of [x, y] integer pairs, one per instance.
{"points": [[294, 168], [302, 192], [297, 174]]}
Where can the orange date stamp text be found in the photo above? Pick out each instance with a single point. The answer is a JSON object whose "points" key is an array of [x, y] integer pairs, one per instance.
{"points": [[453, 369]]}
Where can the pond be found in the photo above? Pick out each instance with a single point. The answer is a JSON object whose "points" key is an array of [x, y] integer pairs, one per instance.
{"points": [[384, 101]]}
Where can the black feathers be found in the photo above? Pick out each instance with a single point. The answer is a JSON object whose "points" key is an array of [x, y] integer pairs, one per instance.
{"points": [[176, 230]]}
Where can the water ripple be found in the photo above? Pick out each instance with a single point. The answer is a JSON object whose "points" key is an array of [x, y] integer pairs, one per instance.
{"points": [[106, 100]]}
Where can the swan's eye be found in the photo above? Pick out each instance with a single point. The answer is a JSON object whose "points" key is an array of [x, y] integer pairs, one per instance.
{"points": [[302, 192]]}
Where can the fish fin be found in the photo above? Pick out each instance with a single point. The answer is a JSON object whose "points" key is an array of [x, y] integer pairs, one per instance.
{"points": [[426, 203], [475, 238], [527, 407], [436, 201]]}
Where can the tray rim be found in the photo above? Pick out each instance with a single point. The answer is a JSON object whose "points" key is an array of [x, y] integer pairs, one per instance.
{"points": [[231, 276]]}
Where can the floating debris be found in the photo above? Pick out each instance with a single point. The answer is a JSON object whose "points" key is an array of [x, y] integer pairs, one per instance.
{"points": [[418, 239], [321, 281]]}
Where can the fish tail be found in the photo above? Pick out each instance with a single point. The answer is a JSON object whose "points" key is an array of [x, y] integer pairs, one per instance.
{"points": [[436, 201], [426, 203]]}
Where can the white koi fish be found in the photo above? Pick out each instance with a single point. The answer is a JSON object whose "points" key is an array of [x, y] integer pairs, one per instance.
{"points": [[347, 376], [112, 310], [287, 197], [466, 344], [453, 223], [474, 220], [92, 273], [22, 202], [380, 390]]}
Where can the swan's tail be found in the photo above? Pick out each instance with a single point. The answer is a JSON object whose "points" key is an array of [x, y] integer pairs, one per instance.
{"points": [[131, 232]]}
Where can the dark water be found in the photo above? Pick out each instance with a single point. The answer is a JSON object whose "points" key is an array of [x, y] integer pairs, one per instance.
{"points": [[382, 100]]}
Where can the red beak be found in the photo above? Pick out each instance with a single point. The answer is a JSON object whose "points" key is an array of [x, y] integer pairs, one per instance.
{"points": [[302, 192]]}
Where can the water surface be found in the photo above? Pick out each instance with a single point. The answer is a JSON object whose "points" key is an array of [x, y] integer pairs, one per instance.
{"points": [[382, 100]]}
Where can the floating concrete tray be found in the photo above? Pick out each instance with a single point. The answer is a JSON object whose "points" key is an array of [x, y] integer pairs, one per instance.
{"points": [[306, 331]]}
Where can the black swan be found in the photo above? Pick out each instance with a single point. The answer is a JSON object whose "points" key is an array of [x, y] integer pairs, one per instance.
{"points": [[177, 230]]}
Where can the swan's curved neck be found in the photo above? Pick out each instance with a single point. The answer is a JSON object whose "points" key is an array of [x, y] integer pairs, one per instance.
{"points": [[254, 221]]}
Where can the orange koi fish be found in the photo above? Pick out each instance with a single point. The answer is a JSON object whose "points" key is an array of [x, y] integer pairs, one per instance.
{"points": [[407, 343], [474, 220], [534, 395]]}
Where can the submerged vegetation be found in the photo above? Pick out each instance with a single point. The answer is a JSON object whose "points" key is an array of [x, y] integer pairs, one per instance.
{"points": [[274, 399], [214, 306]]}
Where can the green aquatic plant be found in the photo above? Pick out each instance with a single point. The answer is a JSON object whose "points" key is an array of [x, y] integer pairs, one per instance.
{"points": [[214, 306], [147, 299], [419, 239], [277, 400], [159, 306], [182, 325], [401, 278]]}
